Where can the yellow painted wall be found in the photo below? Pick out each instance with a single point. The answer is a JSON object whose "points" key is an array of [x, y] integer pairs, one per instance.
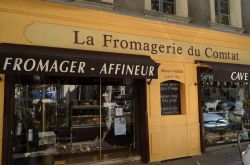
{"points": [[169, 136], [15, 15], [174, 136], [1, 110]]}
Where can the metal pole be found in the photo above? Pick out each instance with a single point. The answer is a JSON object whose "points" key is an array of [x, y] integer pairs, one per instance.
{"points": [[100, 118], [43, 109]]}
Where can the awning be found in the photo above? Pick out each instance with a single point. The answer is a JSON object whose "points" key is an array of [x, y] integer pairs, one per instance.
{"points": [[35, 60], [229, 72]]}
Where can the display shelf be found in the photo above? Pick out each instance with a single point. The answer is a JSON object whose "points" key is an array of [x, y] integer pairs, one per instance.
{"points": [[216, 112], [52, 151], [87, 126], [85, 116], [82, 107]]}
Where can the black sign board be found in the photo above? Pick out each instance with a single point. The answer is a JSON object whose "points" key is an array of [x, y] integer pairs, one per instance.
{"points": [[229, 72], [31, 60], [170, 98]]}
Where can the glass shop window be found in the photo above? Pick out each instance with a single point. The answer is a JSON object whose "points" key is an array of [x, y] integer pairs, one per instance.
{"points": [[222, 12], [55, 119], [225, 108], [164, 6], [170, 98]]}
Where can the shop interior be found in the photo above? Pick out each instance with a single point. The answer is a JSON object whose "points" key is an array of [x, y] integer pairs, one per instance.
{"points": [[225, 107], [72, 119]]}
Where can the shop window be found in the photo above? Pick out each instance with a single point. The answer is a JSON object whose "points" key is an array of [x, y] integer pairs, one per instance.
{"points": [[225, 109], [172, 10], [170, 98], [222, 12], [64, 117]]}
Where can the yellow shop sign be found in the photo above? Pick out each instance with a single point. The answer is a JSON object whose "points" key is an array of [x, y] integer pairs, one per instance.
{"points": [[54, 35]]}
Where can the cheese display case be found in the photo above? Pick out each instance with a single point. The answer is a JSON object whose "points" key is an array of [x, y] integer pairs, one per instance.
{"points": [[86, 116], [61, 120]]}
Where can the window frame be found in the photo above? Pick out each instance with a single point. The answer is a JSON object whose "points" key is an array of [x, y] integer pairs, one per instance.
{"points": [[219, 14], [180, 16], [160, 6]]}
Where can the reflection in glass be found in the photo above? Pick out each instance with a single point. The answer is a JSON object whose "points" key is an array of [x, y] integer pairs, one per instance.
{"points": [[118, 102], [164, 6], [225, 108], [222, 11], [168, 6], [54, 122]]}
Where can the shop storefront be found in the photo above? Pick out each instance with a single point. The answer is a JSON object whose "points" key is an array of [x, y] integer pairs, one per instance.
{"points": [[59, 111], [77, 87], [224, 93]]}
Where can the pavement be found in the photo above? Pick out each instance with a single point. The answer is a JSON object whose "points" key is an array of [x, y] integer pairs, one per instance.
{"points": [[218, 155]]}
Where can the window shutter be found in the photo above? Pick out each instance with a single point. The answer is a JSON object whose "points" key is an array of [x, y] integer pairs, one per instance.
{"points": [[147, 5], [212, 11], [182, 8], [235, 13]]}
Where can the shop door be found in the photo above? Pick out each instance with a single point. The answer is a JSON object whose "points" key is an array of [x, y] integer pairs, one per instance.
{"points": [[72, 120], [118, 116], [105, 114]]}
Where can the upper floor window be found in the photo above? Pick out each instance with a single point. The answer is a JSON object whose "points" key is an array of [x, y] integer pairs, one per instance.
{"points": [[170, 10], [164, 6], [226, 15], [222, 12]]}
